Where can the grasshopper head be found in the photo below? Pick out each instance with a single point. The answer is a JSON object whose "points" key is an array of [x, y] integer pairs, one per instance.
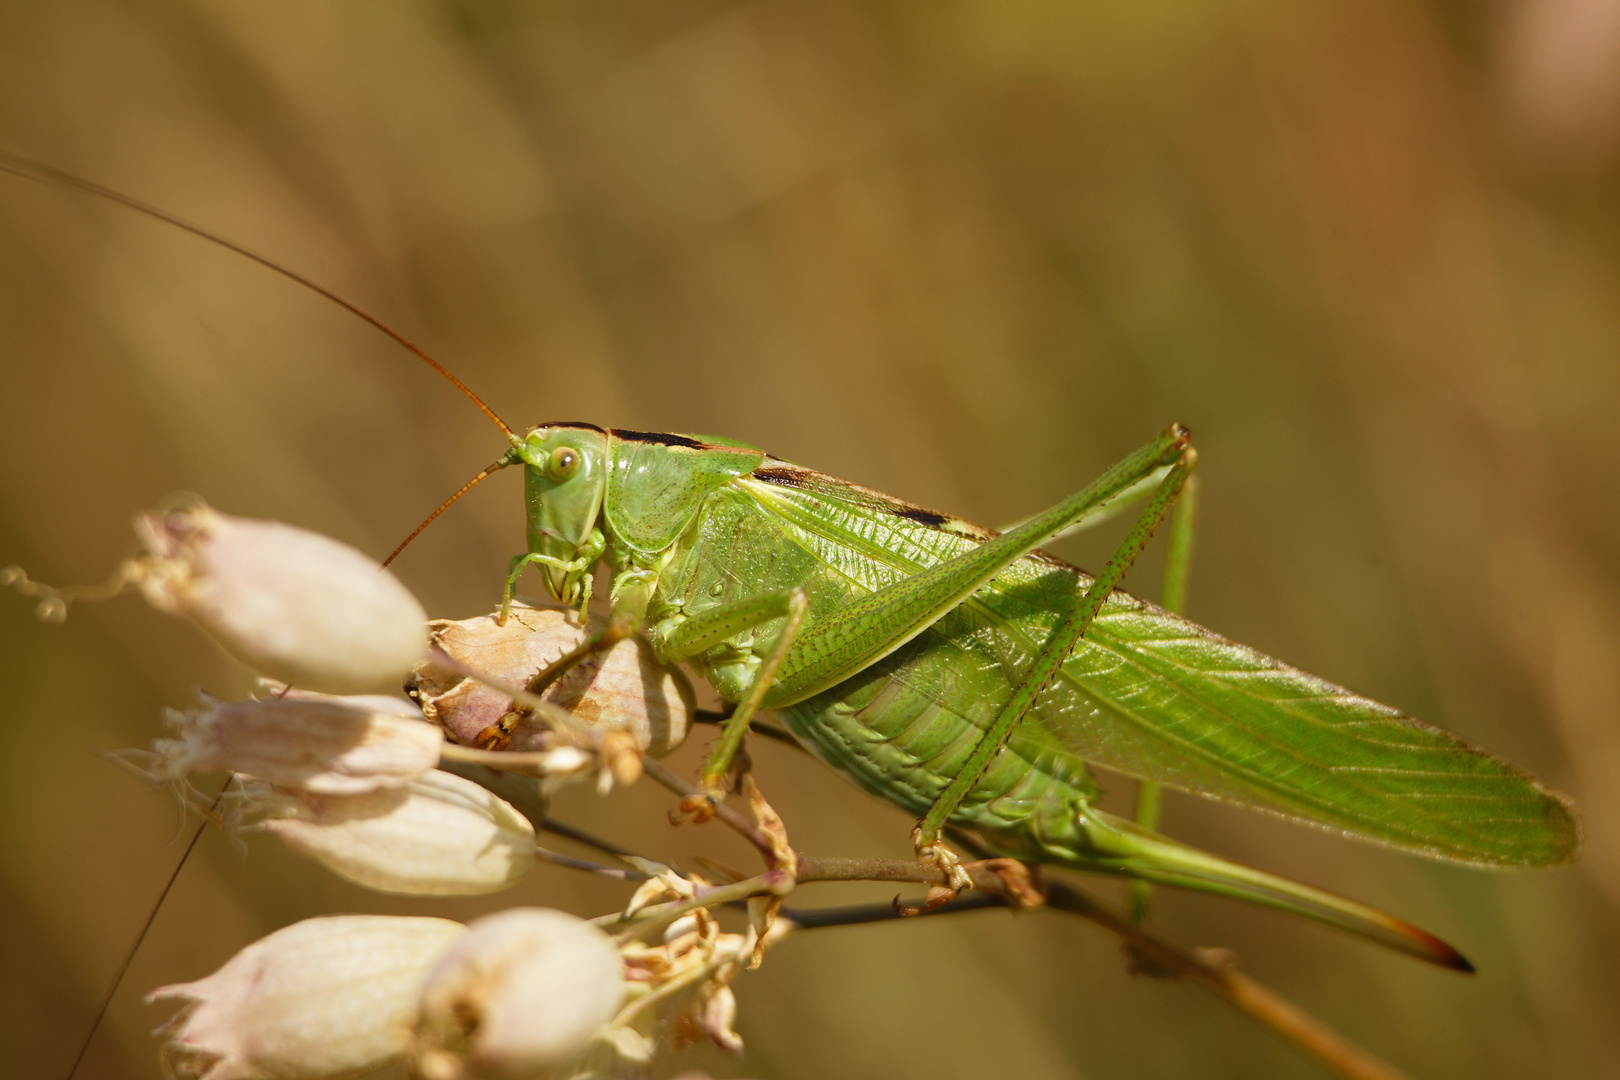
{"points": [[565, 470]]}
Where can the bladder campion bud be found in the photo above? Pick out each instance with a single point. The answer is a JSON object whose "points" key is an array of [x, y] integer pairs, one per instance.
{"points": [[326, 997], [521, 993], [316, 743], [438, 835], [626, 687], [291, 604]]}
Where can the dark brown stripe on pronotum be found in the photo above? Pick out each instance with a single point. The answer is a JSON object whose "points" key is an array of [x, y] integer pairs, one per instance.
{"points": [[658, 438], [572, 424]]}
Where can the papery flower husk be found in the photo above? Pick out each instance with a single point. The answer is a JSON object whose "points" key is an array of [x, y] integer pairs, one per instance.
{"points": [[716, 1013], [314, 742], [706, 960], [523, 992], [289, 603], [625, 687], [327, 997], [615, 1053], [439, 835]]}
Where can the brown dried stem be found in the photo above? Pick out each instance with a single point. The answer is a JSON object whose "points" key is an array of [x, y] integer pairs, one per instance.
{"points": [[1217, 975], [722, 812], [1214, 972]]}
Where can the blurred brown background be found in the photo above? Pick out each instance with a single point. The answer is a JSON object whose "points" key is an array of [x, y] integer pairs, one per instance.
{"points": [[969, 253]]}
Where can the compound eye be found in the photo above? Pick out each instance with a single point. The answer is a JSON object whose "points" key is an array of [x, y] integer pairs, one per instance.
{"points": [[563, 463]]}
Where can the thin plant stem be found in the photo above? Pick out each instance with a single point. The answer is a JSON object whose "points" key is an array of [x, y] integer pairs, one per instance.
{"points": [[862, 914], [556, 858], [726, 814], [578, 835], [802, 918], [655, 918]]}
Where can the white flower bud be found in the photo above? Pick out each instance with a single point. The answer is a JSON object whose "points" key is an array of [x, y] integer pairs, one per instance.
{"points": [[325, 745], [289, 603], [521, 993], [438, 835], [327, 997], [626, 687]]}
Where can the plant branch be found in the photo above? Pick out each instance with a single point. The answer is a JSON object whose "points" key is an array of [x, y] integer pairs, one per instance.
{"points": [[832, 868], [1205, 968], [727, 814], [570, 862], [801, 918], [578, 835], [1213, 971], [861, 914], [651, 919]]}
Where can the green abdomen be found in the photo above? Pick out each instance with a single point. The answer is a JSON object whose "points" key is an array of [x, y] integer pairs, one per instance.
{"points": [[904, 745]]}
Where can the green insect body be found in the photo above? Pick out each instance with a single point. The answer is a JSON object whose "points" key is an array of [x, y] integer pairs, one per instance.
{"points": [[704, 540]]}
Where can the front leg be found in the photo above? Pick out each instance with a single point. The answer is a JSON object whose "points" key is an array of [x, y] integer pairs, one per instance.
{"points": [[577, 568], [628, 611], [630, 592], [701, 633]]}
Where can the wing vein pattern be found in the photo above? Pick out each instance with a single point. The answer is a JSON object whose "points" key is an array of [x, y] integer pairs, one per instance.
{"points": [[1154, 696]]}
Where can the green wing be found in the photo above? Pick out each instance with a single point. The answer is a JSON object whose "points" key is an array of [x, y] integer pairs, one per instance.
{"points": [[1157, 697]]}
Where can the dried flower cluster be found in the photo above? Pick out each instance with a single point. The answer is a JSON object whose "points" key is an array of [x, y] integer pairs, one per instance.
{"points": [[355, 782]]}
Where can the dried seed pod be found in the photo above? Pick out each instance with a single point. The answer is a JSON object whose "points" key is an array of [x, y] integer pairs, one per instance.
{"points": [[292, 604], [313, 742], [524, 991], [331, 996], [625, 687], [439, 835]]}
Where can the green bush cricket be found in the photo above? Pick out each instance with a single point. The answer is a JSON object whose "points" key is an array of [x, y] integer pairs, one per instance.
{"points": [[969, 678]]}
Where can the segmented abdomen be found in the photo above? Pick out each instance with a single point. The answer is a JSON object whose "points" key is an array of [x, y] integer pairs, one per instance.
{"points": [[904, 743]]}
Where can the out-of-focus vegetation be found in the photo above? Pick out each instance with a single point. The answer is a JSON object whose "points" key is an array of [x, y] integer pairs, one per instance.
{"points": [[968, 253]]}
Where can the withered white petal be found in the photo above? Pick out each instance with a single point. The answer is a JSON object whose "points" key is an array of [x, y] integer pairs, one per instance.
{"points": [[314, 742], [615, 1053], [523, 991], [326, 997], [438, 835], [289, 603], [716, 1013]]}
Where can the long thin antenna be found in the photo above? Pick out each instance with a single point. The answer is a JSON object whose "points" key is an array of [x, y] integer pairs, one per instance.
{"points": [[146, 928], [46, 174], [468, 486]]}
